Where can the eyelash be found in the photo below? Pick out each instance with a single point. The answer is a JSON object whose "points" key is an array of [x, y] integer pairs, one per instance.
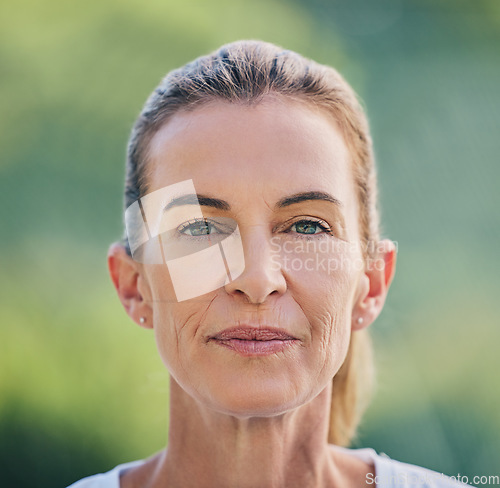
{"points": [[326, 229], [210, 224]]}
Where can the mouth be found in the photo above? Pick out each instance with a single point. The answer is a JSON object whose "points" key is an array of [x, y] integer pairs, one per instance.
{"points": [[253, 341]]}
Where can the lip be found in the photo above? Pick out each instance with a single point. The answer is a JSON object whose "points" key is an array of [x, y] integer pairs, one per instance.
{"points": [[249, 333], [254, 341]]}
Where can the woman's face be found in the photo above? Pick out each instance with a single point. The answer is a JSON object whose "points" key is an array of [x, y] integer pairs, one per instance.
{"points": [[274, 165]]}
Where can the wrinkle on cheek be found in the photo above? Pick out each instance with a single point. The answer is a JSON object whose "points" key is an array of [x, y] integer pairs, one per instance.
{"points": [[186, 325], [331, 321], [168, 337], [187, 331], [335, 344], [309, 324], [204, 314], [330, 327], [177, 361], [186, 318]]}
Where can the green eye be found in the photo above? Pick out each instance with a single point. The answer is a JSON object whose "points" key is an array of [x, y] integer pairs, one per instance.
{"points": [[213, 230], [197, 228], [308, 227]]}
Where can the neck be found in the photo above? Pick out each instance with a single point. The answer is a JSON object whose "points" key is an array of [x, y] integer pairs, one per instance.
{"points": [[207, 448]]}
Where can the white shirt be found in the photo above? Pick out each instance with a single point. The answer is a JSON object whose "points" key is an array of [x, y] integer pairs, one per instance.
{"points": [[388, 474]]}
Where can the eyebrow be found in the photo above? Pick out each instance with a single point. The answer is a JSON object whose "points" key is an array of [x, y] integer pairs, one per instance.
{"points": [[196, 199], [308, 195], [203, 200]]}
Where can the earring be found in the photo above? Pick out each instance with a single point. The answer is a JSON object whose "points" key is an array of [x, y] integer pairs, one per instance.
{"points": [[142, 320], [360, 320]]}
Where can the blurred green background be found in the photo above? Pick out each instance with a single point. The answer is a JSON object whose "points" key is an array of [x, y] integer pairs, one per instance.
{"points": [[81, 387]]}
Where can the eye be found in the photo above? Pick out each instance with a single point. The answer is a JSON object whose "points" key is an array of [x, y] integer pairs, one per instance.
{"points": [[197, 227], [308, 227], [210, 229]]}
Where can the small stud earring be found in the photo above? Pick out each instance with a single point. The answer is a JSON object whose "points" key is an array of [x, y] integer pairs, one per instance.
{"points": [[360, 320], [142, 320]]}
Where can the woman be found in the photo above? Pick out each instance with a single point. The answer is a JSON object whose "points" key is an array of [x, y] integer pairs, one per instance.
{"points": [[254, 254]]}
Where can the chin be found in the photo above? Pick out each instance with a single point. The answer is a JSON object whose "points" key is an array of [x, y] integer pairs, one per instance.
{"points": [[245, 406], [249, 387], [255, 397]]}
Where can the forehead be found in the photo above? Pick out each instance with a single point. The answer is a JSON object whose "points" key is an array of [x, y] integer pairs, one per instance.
{"points": [[274, 147]]}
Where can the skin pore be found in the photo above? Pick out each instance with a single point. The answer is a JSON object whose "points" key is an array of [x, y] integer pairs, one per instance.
{"points": [[238, 421]]}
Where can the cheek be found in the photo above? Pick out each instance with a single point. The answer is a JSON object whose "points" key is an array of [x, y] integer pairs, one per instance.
{"points": [[166, 334], [324, 287], [162, 300], [178, 337], [160, 284], [323, 276]]}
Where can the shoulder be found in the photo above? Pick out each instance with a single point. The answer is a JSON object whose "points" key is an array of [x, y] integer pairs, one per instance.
{"points": [[110, 479], [389, 473]]}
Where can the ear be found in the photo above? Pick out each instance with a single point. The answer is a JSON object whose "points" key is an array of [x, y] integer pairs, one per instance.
{"points": [[374, 285], [131, 287]]}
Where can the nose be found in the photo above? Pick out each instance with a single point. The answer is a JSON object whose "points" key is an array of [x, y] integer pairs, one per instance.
{"points": [[262, 276]]}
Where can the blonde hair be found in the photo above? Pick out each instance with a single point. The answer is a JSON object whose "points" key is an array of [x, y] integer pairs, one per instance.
{"points": [[244, 72]]}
